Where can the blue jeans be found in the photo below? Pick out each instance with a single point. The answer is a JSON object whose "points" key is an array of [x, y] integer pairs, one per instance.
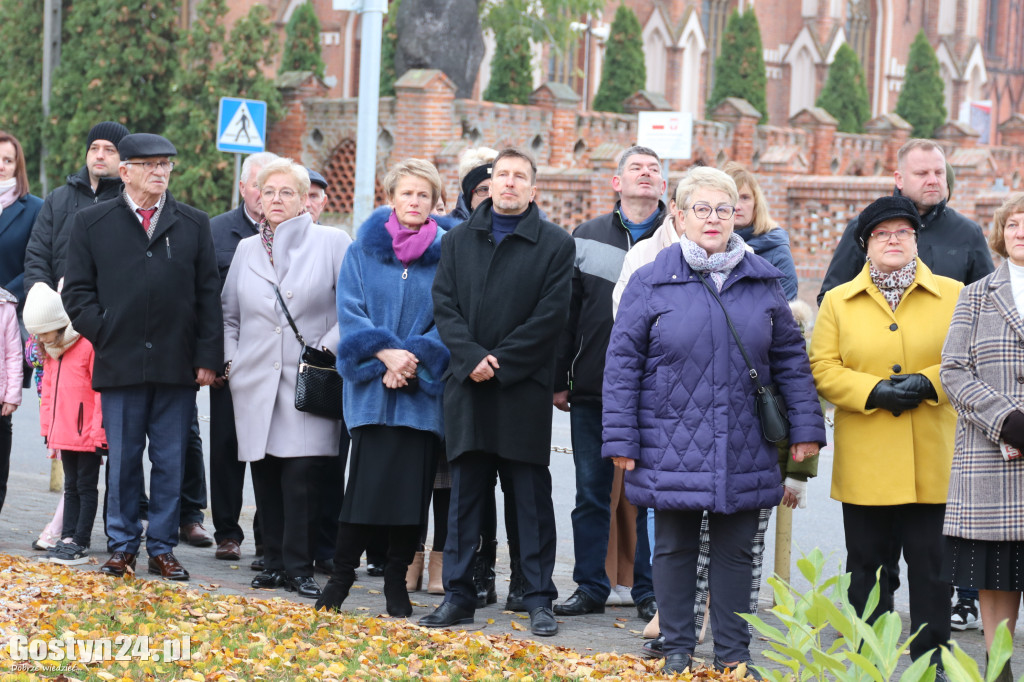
{"points": [[591, 519], [130, 415]]}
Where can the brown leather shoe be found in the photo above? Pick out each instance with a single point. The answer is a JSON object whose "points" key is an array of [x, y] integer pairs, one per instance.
{"points": [[167, 566], [118, 564], [195, 535], [228, 550]]}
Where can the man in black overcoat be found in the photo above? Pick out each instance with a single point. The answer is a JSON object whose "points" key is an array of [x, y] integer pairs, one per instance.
{"points": [[501, 299], [142, 287]]}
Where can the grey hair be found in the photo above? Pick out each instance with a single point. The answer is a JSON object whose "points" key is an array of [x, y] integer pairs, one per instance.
{"points": [[473, 157], [705, 176], [259, 159], [634, 151], [286, 167]]}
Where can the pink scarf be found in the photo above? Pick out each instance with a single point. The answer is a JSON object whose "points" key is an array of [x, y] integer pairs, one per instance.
{"points": [[8, 193], [408, 244]]}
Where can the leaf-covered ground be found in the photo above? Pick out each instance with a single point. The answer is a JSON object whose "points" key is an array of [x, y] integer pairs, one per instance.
{"points": [[241, 638]]}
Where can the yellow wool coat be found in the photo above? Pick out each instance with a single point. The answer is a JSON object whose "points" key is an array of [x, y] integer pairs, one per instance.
{"points": [[881, 459]]}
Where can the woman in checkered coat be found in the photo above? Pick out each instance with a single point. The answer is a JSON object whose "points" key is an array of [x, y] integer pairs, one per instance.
{"points": [[983, 375]]}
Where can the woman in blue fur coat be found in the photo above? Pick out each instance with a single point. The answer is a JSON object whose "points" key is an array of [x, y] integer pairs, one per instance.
{"points": [[392, 361]]}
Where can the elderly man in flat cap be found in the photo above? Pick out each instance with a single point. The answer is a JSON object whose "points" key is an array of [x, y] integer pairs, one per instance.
{"points": [[142, 285]]}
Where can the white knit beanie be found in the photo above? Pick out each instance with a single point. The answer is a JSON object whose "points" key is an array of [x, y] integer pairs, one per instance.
{"points": [[44, 311]]}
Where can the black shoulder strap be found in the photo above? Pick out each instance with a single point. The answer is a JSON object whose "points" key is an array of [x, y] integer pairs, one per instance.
{"points": [[289, 316], [735, 334]]}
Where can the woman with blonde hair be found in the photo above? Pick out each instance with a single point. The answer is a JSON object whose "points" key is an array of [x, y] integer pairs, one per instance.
{"points": [[755, 225]]}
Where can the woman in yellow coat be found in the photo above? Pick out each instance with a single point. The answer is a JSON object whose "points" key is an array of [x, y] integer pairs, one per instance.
{"points": [[875, 355]]}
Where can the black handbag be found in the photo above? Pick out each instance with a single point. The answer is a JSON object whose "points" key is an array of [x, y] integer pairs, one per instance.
{"points": [[768, 402], [318, 384]]}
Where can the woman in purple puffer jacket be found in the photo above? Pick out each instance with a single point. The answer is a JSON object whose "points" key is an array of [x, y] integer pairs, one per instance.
{"points": [[679, 410]]}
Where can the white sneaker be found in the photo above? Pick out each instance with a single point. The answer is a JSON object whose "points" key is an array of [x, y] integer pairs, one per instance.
{"points": [[965, 615], [625, 595], [614, 598]]}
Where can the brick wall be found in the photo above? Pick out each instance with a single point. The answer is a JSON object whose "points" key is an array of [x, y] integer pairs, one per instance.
{"points": [[814, 178]]}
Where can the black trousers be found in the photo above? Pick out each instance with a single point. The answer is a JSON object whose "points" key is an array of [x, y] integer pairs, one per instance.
{"points": [[227, 474], [287, 498], [332, 492], [472, 482], [5, 456], [489, 523], [871, 532], [352, 538], [81, 494], [676, 548]]}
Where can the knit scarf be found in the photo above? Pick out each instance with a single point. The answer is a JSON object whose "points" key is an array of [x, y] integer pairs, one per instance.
{"points": [[408, 244], [8, 193], [893, 284], [69, 338], [717, 265]]}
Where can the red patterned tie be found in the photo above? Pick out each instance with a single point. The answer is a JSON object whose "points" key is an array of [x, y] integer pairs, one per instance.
{"points": [[147, 215]]}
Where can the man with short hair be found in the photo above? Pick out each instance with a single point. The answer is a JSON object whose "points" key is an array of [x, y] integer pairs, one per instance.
{"points": [[317, 197], [227, 474], [948, 243], [142, 286], [501, 298], [601, 246], [96, 181]]}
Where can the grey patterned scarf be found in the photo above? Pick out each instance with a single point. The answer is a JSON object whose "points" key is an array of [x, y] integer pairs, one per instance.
{"points": [[718, 265]]}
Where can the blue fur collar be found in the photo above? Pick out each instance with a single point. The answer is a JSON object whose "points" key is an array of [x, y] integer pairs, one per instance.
{"points": [[376, 240]]}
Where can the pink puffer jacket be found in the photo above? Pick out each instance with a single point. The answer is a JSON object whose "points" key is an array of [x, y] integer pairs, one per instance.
{"points": [[10, 366], [69, 415]]}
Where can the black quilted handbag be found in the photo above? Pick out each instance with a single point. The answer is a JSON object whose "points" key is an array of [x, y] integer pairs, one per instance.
{"points": [[318, 384]]}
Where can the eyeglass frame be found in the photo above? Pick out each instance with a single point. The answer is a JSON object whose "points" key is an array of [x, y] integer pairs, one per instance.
{"points": [[712, 209], [909, 232], [150, 166], [480, 191], [273, 194]]}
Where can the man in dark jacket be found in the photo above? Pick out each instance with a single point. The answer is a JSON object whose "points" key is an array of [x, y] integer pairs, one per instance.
{"points": [[97, 181], [601, 245], [948, 243], [142, 286], [227, 474], [501, 297]]}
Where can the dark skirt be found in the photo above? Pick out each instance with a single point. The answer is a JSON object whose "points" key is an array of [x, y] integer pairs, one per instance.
{"points": [[391, 473], [986, 564]]}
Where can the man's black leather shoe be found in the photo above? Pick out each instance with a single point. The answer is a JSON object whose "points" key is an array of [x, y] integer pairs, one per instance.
{"points": [[677, 663], [305, 585], [542, 622], [446, 615], [647, 609], [268, 580], [655, 648], [579, 604]]}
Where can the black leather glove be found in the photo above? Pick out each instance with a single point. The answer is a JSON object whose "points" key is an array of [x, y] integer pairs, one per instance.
{"points": [[915, 384], [1013, 429], [890, 396]]}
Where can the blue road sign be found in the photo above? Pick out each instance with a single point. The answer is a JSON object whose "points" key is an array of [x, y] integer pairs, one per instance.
{"points": [[241, 125]]}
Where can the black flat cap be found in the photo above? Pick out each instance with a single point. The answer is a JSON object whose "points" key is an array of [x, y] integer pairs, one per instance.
{"points": [[142, 145], [316, 179], [885, 208]]}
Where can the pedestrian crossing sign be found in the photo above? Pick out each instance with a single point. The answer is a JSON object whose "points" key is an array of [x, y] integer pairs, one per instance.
{"points": [[241, 125]]}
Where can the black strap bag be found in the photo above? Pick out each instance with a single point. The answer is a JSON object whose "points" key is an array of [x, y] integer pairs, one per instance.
{"points": [[768, 402], [318, 384]]}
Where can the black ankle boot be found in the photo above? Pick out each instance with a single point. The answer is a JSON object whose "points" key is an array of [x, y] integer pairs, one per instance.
{"points": [[483, 573], [396, 594], [334, 594], [516, 587]]}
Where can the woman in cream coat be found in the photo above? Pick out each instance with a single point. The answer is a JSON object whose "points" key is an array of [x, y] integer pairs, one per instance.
{"points": [[287, 448]]}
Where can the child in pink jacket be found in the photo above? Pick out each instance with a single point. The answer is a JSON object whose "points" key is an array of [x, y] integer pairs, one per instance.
{"points": [[10, 381], [69, 416]]}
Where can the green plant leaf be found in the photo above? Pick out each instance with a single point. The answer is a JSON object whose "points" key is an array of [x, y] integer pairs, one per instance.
{"points": [[920, 670], [865, 664], [999, 654], [959, 666]]}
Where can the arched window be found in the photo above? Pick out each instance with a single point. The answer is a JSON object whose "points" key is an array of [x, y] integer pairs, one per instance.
{"points": [[802, 82], [947, 17], [691, 80], [947, 90], [655, 57], [713, 15], [858, 29]]}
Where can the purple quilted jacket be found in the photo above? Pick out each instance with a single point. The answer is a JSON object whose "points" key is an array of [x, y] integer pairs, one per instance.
{"points": [[678, 397]]}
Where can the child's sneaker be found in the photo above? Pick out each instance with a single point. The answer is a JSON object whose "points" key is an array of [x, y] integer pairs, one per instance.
{"points": [[965, 615], [45, 543], [70, 554]]}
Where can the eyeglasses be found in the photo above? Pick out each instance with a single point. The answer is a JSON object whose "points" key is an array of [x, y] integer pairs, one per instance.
{"points": [[285, 194], [150, 166], [883, 236], [482, 191], [703, 211]]}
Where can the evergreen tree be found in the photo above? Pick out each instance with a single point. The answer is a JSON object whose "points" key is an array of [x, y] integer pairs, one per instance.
{"points": [[205, 176], [845, 94], [511, 73], [21, 62], [922, 101], [388, 76], [302, 42], [118, 63], [739, 68], [624, 71]]}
